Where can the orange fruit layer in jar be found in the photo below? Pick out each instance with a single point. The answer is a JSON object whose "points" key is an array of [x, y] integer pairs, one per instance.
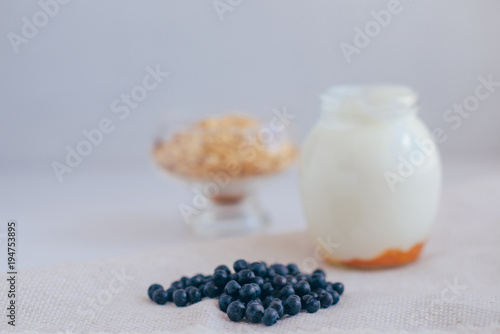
{"points": [[388, 258]]}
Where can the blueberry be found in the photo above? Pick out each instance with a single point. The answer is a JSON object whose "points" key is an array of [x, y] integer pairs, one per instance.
{"points": [[257, 288], [195, 281], [267, 288], [270, 273], [225, 268], [270, 317], [291, 279], [317, 281], [279, 281], [335, 297], [312, 305], [207, 279], [152, 289], [170, 294], [293, 269], [224, 301], [280, 269], [245, 276], [234, 277], [160, 296], [326, 299], [177, 284], [302, 288], [180, 297], [248, 292], [184, 280], [211, 290], [193, 294], [258, 269], [232, 288], [240, 265], [302, 277], [278, 306], [292, 305], [202, 290], [236, 310], [319, 271], [313, 294], [267, 300], [304, 300], [220, 278], [285, 292], [339, 287], [258, 280], [254, 312], [256, 300]]}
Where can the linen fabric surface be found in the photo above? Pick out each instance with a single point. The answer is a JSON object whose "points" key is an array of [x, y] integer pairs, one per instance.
{"points": [[453, 287]]}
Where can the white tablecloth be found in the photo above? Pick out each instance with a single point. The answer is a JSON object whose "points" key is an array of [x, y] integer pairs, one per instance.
{"points": [[455, 286]]}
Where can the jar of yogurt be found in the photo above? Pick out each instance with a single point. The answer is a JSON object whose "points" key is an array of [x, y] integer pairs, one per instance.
{"points": [[370, 177]]}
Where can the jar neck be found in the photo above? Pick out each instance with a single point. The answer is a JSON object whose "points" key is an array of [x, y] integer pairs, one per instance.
{"points": [[359, 103]]}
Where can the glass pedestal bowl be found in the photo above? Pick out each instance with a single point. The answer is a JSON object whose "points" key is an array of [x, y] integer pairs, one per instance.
{"points": [[224, 160]]}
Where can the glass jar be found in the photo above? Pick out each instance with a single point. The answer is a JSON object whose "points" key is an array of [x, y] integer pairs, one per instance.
{"points": [[370, 177]]}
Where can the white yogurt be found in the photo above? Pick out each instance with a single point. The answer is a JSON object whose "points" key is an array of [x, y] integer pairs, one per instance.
{"points": [[370, 173]]}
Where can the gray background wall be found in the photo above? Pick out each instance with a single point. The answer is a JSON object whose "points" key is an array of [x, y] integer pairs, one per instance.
{"points": [[263, 54]]}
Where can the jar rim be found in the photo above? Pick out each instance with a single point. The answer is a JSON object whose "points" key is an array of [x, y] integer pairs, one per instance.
{"points": [[378, 100]]}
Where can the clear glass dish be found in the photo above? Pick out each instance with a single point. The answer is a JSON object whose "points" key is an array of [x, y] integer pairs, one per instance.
{"points": [[224, 160]]}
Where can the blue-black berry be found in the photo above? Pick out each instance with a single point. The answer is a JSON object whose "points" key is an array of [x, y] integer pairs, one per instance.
{"points": [[220, 278], [279, 281], [339, 287], [293, 269], [224, 301], [280, 269], [285, 292], [312, 305], [193, 294], [160, 297], [292, 305], [278, 306], [326, 299], [195, 281], [153, 288], [335, 297], [317, 281], [302, 288], [313, 294], [202, 290], [258, 280], [211, 290], [319, 271], [267, 300], [245, 276], [180, 298], [254, 312], [290, 279], [248, 292], [225, 268], [270, 317], [177, 285], [170, 294], [240, 265], [267, 288], [270, 273], [236, 310], [232, 288], [234, 277], [258, 269]]}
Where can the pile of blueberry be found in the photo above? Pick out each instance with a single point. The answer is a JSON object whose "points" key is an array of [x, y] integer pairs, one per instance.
{"points": [[255, 291]]}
